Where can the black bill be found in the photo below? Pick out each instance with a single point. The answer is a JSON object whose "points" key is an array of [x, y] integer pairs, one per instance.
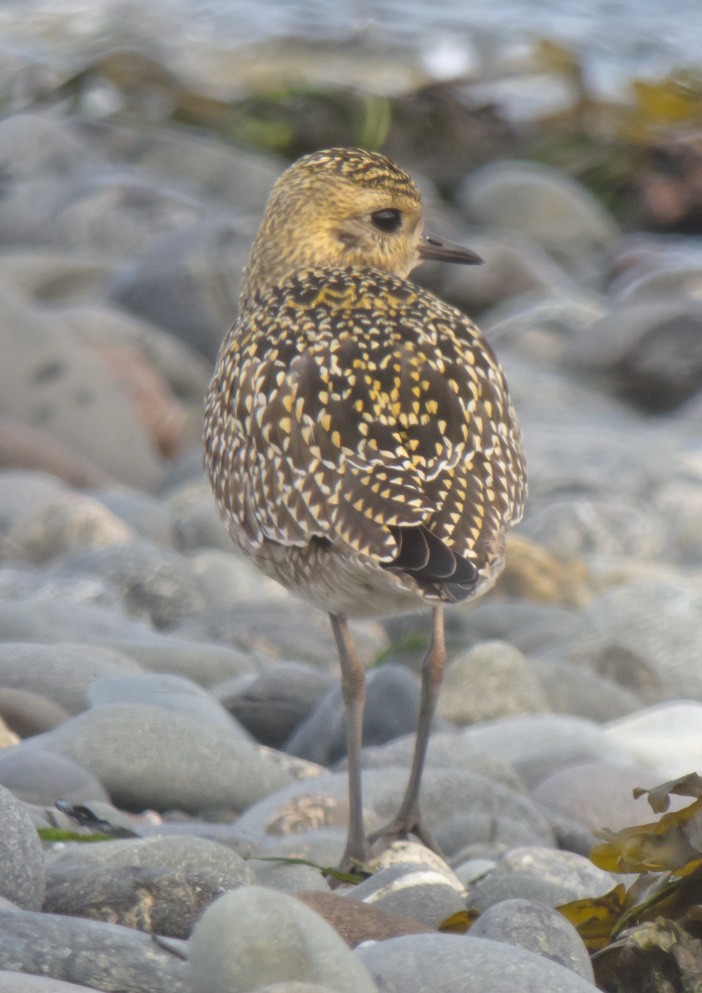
{"points": [[444, 251]]}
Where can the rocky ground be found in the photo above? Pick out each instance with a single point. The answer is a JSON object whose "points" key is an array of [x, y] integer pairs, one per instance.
{"points": [[192, 707]]}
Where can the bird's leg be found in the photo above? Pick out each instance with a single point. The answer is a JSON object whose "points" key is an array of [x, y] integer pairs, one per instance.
{"points": [[353, 689], [408, 819]]}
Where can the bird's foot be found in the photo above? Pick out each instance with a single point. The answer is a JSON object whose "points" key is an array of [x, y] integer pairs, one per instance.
{"points": [[404, 824]]}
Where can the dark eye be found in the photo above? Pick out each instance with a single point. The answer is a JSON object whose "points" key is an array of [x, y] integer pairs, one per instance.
{"points": [[387, 220]]}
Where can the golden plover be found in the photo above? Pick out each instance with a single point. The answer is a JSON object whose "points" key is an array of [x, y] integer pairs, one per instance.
{"points": [[360, 440]]}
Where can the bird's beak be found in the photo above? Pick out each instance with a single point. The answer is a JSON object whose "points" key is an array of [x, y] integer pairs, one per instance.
{"points": [[444, 251]]}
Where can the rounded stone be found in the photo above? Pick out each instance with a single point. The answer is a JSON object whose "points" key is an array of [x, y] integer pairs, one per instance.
{"points": [[172, 693], [40, 778], [391, 709], [61, 673], [537, 928], [665, 740], [72, 522], [159, 885], [492, 679], [419, 893], [540, 202], [21, 855], [92, 953], [537, 745], [155, 583], [445, 963], [148, 757], [253, 937], [271, 704], [28, 713], [599, 794]]}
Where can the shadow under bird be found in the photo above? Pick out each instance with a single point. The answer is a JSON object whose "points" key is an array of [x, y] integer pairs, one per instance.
{"points": [[360, 440]]}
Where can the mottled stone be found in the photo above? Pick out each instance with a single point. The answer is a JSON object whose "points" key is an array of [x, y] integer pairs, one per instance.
{"points": [[103, 956], [21, 855], [446, 963], [537, 928]]}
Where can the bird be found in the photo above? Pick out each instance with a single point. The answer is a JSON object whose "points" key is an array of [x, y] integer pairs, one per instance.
{"points": [[360, 439]]}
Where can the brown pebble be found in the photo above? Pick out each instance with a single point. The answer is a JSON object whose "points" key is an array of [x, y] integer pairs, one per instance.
{"points": [[28, 713], [356, 922]]}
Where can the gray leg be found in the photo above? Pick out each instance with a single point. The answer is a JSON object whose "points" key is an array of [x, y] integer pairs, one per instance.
{"points": [[408, 819], [353, 688]]}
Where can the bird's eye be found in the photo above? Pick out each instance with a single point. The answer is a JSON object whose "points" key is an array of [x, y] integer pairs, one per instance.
{"points": [[387, 220]]}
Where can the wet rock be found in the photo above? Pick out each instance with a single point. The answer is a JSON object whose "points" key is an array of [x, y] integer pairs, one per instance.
{"points": [[230, 949]]}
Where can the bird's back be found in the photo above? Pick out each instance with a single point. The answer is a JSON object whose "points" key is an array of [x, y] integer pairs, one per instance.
{"points": [[357, 421]]}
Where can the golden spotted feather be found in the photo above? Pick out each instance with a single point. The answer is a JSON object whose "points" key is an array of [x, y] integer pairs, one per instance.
{"points": [[355, 418]]}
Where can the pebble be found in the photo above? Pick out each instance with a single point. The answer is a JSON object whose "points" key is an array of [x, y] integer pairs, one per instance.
{"points": [[27, 713], [271, 704], [304, 807], [154, 582], [145, 756], [537, 745], [598, 795], [157, 885], [646, 635], [60, 673], [456, 964], [492, 679], [171, 693], [231, 949], [417, 892], [541, 203], [38, 777], [665, 741], [21, 855], [391, 709], [537, 928], [90, 953]]}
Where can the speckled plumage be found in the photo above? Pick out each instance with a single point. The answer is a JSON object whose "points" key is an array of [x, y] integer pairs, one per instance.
{"points": [[360, 440]]}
